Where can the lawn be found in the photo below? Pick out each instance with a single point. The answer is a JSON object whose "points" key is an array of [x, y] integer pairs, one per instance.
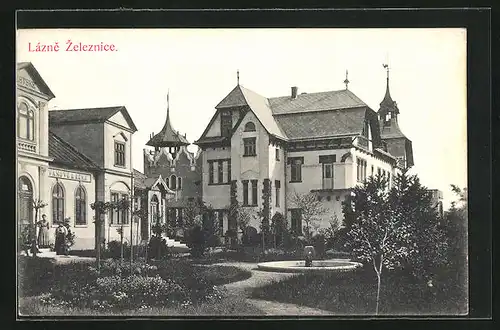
{"points": [[229, 306], [355, 294], [172, 287]]}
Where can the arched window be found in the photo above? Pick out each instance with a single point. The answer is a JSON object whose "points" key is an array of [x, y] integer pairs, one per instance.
{"points": [[250, 127], [80, 206], [179, 183], [25, 207], [25, 123], [57, 203], [154, 207], [173, 182]]}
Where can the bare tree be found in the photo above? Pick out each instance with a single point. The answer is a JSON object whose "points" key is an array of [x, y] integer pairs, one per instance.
{"points": [[312, 210]]}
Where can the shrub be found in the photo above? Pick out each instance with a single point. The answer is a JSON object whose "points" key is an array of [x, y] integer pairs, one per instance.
{"points": [[319, 243], [250, 237], [157, 248], [197, 242], [114, 250]]}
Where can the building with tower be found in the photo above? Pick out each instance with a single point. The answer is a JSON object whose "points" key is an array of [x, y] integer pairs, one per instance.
{"points": [[260, 151], [167, 160]]}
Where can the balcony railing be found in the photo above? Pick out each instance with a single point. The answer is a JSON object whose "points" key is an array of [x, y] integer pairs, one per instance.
{"points": [[327, 183], [26, 146]]}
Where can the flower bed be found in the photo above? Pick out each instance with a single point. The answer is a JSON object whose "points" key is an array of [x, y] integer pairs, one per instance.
{"points": [[118, 286]]}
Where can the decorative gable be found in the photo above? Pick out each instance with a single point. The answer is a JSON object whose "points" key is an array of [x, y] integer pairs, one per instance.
{"points": [[28, 77], [119, 119]]}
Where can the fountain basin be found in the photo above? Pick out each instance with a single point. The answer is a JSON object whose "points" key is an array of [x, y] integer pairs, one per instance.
{"points": [[318, 266]]}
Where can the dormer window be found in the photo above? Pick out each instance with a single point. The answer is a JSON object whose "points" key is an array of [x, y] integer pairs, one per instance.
{"points": [[226, 123], [250, 127], [25, 122]]}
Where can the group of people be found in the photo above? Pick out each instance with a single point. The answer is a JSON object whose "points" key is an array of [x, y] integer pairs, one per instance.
{"points": [[60, 245]]}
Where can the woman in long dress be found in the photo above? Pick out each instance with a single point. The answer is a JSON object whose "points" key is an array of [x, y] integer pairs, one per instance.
{"points": [[43, 233], [60, 245]]}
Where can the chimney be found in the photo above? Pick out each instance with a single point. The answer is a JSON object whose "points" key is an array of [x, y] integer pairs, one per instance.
{"points": [[294, 92]]}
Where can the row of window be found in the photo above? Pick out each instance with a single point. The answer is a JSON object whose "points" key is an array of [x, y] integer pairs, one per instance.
{"points": [[58, 211], [174, 182], [58, 206], [221, 178], [361, 171], [254, 192], [118, 216]]}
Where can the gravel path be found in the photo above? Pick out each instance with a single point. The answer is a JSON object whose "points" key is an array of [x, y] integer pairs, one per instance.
{"points": [[260, 278], [62, 259]]}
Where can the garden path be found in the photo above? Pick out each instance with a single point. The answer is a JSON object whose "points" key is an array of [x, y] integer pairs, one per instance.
{"points": [[62, 259], [260, 278]]}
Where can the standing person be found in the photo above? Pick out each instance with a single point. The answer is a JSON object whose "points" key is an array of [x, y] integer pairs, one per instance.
{"points": [[43, 232], [60, 244]]}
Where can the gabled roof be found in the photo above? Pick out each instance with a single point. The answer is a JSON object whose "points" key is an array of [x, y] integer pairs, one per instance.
{"points": [[309, 102], [65, 154], [89, 115], [28, 66], [235, 98], [344, 122], [142, 181], [261, 108]]}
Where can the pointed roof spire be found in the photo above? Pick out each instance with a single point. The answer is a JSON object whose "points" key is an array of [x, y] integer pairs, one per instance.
{"points": [[346, 81], [238, 77], [387, 103], [168, 137]]}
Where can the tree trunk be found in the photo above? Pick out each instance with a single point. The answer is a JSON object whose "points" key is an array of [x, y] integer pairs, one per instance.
{"points": [[33, 238], [121, 243], [98, 240], [378, 293]]}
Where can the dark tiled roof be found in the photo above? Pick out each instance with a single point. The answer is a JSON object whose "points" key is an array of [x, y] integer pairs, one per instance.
{"points": [[308, 102], [258, 104], [65, 154], [88, 115], [211, 139], [235, 98], [168, 137], [391, 132], [343, 122], [139, 175]]}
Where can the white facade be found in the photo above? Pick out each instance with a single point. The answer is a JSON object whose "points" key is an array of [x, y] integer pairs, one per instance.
{"points": [[71, 165]]}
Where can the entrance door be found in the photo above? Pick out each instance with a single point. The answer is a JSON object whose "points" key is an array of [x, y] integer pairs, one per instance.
{"points": [[25, 206]]}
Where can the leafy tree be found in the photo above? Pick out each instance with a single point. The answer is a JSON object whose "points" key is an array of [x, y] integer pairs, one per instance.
{"points": [[377, 235], [456, 219], [312, 210], [413, 206]]}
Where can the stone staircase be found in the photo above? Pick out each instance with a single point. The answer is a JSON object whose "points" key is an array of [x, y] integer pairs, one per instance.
{"points": [[172, 243]]}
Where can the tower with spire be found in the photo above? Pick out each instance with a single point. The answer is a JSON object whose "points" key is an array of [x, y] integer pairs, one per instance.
{"points": [[397, 143], [169, 157]]}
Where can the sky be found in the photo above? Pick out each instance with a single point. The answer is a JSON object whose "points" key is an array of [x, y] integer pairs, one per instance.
{"points": [[198, 67]]}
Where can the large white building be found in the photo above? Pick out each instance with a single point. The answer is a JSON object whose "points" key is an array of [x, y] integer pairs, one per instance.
{"points": [[70, 159], [260, 151]]}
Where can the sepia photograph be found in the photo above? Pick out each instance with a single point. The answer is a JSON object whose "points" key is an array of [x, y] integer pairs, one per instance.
{"points": [[242, 172]]}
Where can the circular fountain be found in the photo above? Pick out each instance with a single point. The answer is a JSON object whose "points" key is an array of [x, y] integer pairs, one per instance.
{"points": [[317, 266]]}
